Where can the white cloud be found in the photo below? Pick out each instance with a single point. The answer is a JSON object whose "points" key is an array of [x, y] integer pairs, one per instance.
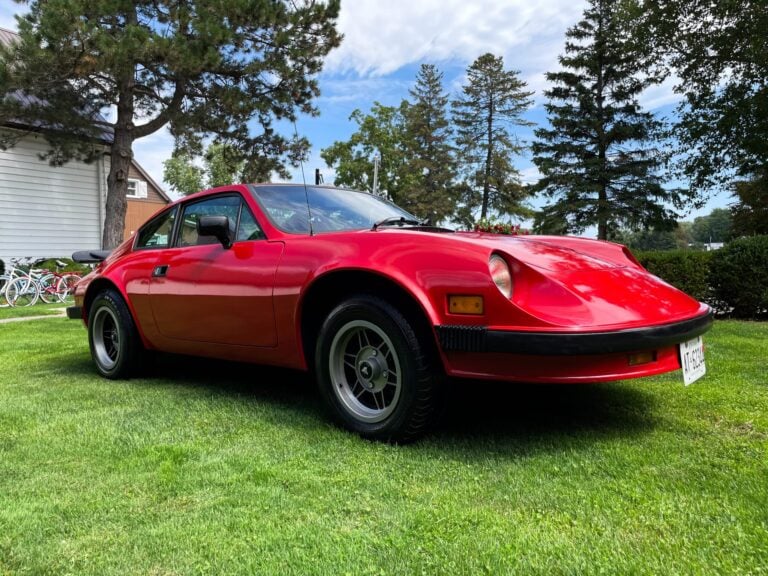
{"points": [[7, 12], [344, 91], [151, 151], [660, 94], [380, 37], [530, 175]]}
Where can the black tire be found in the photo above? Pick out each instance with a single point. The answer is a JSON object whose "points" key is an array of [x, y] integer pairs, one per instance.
{"points": [[376, 375], [116, 347]]}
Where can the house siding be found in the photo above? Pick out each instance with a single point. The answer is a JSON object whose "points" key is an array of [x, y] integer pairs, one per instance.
{"points": [[47, 211], [139, 212], [140, 209]]}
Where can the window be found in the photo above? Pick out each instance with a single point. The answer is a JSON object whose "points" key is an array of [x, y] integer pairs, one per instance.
{"points": [[332, 209], [231, 206], [157, 232], [248, 229], [136, 189]]}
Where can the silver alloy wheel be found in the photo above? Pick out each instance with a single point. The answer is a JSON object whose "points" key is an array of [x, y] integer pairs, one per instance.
{"points": [[365, 371], [106, 338]]}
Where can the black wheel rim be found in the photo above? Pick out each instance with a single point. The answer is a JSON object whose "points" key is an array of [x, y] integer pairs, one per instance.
{"points": [[106, 338]]}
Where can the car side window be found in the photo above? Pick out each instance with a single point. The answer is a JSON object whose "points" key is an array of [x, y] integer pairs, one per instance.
{"points": [[248, 228], [228, 206], [157, 232]]}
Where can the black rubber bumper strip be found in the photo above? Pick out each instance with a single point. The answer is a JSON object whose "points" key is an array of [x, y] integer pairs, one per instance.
{"points": [[75, 313], [480, 339]]}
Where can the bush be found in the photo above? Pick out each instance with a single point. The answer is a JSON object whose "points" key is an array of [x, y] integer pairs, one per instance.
{"points": [[687, 270], [739, 276], [71, 265]]}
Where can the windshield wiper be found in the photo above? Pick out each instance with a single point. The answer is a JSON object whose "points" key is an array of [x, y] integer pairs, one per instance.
{"points": [[400, 221]]}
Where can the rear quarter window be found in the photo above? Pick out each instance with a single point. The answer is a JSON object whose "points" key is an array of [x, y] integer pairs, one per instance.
{"points": [[157, 232]]}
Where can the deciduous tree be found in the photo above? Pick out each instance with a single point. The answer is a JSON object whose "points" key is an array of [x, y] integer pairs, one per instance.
{"points": [[750, 212], [380, 133], [221, 165], [714, 227], [718, 51]]}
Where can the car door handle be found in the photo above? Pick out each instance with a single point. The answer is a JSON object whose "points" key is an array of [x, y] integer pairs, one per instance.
{"points": [[160, 271]]}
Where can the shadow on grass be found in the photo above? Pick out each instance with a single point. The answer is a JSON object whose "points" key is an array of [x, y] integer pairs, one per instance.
{"points": [[522, 416], [543, 413]]}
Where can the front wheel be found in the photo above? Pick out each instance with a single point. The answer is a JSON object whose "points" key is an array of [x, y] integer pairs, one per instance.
{"points": [[375, 373], [65, 287], [116, 347]]}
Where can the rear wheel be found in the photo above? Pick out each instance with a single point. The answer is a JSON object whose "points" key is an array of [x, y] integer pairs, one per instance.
{"points": [[116, 347], [374, 372]]}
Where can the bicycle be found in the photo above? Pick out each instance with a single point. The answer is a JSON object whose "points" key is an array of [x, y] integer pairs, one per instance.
{"points": [[5, 280], [56, 286], [23, 287]]}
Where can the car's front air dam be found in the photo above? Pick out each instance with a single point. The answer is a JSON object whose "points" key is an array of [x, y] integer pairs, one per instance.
{"points": [[475, 352]]}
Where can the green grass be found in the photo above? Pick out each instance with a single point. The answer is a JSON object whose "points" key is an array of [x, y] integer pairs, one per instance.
{"points": [[212, 468], [39, 309]]}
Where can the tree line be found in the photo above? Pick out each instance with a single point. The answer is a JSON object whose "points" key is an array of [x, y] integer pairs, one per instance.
{"points": [[604, 161], [225, 73]]}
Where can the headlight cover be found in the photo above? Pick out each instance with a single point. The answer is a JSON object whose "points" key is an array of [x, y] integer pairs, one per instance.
{"points": [[501, 274]]}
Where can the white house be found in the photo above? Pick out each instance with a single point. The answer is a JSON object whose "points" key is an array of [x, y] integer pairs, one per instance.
{"points": [[48, 211], [51, 211]]}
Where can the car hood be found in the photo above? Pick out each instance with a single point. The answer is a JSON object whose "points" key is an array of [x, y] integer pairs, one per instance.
{"points": [[552, 253], [578, 283]]}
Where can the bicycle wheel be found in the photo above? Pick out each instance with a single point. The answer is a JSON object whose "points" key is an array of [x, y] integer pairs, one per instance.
{"points": [[22, 292], [48, 288], [65, 288], [4, 281]]}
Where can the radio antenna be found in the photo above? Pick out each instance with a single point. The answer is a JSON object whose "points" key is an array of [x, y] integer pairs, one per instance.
{"points": [[304, 180]]}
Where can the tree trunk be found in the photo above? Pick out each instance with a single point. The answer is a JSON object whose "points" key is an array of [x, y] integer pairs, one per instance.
{"points": [[121, 154], [602, 214], [603, 207], [488, 158]]}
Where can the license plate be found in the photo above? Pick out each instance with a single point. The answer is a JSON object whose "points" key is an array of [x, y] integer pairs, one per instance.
{"points": [[692, 360]]}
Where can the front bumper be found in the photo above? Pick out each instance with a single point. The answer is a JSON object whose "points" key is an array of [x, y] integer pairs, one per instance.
{"points": [[476, 339]]}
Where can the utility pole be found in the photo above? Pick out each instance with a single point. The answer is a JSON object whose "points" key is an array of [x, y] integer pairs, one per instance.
{"points": [[376, 160]]}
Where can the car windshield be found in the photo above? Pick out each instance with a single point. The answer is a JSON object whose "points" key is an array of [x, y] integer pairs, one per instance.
{"points": [[332, 209]]}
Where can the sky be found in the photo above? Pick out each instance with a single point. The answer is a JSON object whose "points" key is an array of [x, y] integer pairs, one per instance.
{"points": [[386, 41]]}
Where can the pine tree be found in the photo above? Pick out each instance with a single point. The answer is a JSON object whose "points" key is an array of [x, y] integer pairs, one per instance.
{"points": [[428, 184], [601, 157], [203, 68], [492, 100]]}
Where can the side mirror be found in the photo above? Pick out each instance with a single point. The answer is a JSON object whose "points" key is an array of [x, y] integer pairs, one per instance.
{"points": [[216, 226]]}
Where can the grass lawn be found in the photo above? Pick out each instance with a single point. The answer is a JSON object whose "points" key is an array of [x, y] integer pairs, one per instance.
{"points": [[212, 468]]}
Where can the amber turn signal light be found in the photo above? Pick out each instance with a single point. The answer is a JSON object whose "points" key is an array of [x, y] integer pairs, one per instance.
{"points": [[642, 358], [465, 305]]}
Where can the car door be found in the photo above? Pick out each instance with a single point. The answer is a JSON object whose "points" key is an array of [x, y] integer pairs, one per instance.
{"points": [[201, 291]]}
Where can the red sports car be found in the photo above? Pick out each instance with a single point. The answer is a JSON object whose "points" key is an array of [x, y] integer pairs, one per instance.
{"points": [[378, 304]]}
